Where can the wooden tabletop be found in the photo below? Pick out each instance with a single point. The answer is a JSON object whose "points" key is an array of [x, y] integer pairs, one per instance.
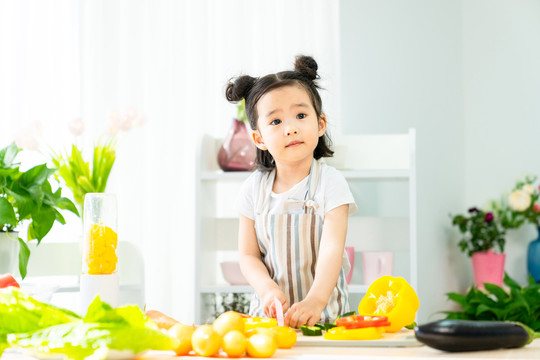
{"points": [[531, 351]]}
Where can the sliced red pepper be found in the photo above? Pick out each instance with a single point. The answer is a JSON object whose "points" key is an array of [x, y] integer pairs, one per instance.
{"points": [[360, 321], [8, 280]]}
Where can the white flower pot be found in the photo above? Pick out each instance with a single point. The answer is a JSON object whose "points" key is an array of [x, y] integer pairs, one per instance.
{"points": [[9, 253]]}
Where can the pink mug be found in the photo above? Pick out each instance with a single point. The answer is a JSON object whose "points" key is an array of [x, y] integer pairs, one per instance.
{"points": [[376, 264]]}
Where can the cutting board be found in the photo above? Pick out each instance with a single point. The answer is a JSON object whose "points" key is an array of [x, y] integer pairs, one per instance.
{"points": [[402, 338]]}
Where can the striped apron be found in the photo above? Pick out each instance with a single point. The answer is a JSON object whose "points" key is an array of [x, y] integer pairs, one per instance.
{"points": [[289, 246]]}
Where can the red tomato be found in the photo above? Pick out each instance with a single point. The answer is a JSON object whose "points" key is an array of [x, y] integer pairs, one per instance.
{"points": [[359, 321], [8, 280]]}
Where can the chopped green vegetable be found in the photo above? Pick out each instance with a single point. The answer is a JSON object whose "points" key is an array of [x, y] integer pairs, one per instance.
{"points": [[311, 330], [328, 326], [347, 314], [411, 326]]}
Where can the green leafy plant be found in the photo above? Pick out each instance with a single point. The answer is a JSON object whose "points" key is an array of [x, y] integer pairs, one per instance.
{"points": [[481, 231], [28, 196], [79, 176], [519, 303]]}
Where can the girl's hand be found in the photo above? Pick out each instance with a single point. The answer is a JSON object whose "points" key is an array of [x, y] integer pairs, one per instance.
{"points": [[268, 302], [306, 312]]}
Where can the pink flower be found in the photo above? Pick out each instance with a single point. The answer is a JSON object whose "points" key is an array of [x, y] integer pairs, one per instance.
{"points": [[76, 126], [26, 140], [536, 207]]}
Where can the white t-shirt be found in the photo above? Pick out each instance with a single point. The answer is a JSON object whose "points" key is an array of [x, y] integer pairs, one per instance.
{"points": [[332, 191]]}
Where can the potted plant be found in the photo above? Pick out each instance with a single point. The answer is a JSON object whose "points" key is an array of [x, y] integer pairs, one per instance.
{"points": [[26, 197], [523, 207], [481, 234]]}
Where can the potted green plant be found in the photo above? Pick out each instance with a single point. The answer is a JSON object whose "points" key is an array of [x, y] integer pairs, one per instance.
{"points": [[26, 197], [482, 233], [79, 176]]}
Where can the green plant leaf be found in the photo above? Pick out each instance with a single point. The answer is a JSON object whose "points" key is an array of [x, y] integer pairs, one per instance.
{"points": [[482, 309], [36, 175], [42, 222], [66, 204], [459, 298], [497, 291], [8, 154], [24, 255], [7, 214], [510, 282]]}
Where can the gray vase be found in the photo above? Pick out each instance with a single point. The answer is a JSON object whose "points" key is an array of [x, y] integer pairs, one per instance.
{"points": [[9, 253]]}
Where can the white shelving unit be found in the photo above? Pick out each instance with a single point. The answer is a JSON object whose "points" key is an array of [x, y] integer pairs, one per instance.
{"points": [[381, 172]]}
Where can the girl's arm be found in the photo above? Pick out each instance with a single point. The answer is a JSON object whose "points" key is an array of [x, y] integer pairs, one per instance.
{"points": [[329, 262], [254, 269]]}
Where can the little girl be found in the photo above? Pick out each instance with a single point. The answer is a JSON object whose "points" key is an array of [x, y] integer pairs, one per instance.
{"points": [[294, 208]]}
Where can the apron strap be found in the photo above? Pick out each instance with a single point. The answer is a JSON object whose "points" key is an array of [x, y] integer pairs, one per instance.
{"points": [[313, 182]]}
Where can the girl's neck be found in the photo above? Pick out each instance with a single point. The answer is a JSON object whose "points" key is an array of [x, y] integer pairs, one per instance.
{"points": [[288, 175]]}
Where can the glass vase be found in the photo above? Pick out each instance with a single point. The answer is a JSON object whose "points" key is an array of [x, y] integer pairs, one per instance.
{"points": [[533, 258], [237, 153]]}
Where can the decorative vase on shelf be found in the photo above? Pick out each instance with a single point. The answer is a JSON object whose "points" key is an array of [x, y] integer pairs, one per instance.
{"points": [[9, 252], [533, 258], [488, 267], [237, 153]]}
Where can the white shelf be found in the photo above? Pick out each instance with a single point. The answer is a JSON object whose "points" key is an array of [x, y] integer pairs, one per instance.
{"points": [[226, 289], [211, 289], [360, 158], [357, 289], [391, 174], [224, 175]]}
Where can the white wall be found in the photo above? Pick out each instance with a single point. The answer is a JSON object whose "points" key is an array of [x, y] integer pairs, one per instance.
{"points": [[501, 92], [466, 75]]}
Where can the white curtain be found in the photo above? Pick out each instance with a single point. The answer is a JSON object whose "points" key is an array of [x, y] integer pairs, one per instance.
{"points": [[168, 62]]}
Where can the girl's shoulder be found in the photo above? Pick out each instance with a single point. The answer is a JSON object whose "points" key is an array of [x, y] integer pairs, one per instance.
{"points": [[328, 171], [254, 180]]}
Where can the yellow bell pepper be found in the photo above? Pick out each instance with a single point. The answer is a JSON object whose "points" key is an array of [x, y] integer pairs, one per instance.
{"points": [[393, 297], [341, 333], [257, 322]]}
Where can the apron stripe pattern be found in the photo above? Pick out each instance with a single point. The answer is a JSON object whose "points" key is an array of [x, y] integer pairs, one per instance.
{"points": [[289, 246]]}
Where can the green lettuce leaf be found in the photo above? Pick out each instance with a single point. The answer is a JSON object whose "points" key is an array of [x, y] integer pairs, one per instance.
{"points": [[20, 313], [26, 323], [79, 340]]}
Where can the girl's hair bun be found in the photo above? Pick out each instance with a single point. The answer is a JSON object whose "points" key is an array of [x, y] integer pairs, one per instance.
{"points": [[239, 88], [306, 66]]}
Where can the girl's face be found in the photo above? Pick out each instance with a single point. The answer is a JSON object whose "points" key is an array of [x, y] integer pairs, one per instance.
{"points": [[288, 126]]}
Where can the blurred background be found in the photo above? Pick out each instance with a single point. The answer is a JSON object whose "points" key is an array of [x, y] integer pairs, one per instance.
{"points": [[464, 73]]}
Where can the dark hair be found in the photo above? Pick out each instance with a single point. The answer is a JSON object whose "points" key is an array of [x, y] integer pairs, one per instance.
{"points": [[252, 89]]}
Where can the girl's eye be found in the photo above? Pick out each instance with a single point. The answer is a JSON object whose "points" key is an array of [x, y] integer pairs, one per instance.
{"points": [[301, 116], [275, 122]]}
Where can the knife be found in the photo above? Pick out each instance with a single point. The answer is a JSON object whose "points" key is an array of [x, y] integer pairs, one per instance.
{"points": [[279, 311]]}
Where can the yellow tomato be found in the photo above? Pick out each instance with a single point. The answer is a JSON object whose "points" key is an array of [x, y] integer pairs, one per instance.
{"points": [[285, 337], [260, 330], [228, 321], [183, 333], [255, 322], [261, 346], [234, 343], [205, 341]]}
